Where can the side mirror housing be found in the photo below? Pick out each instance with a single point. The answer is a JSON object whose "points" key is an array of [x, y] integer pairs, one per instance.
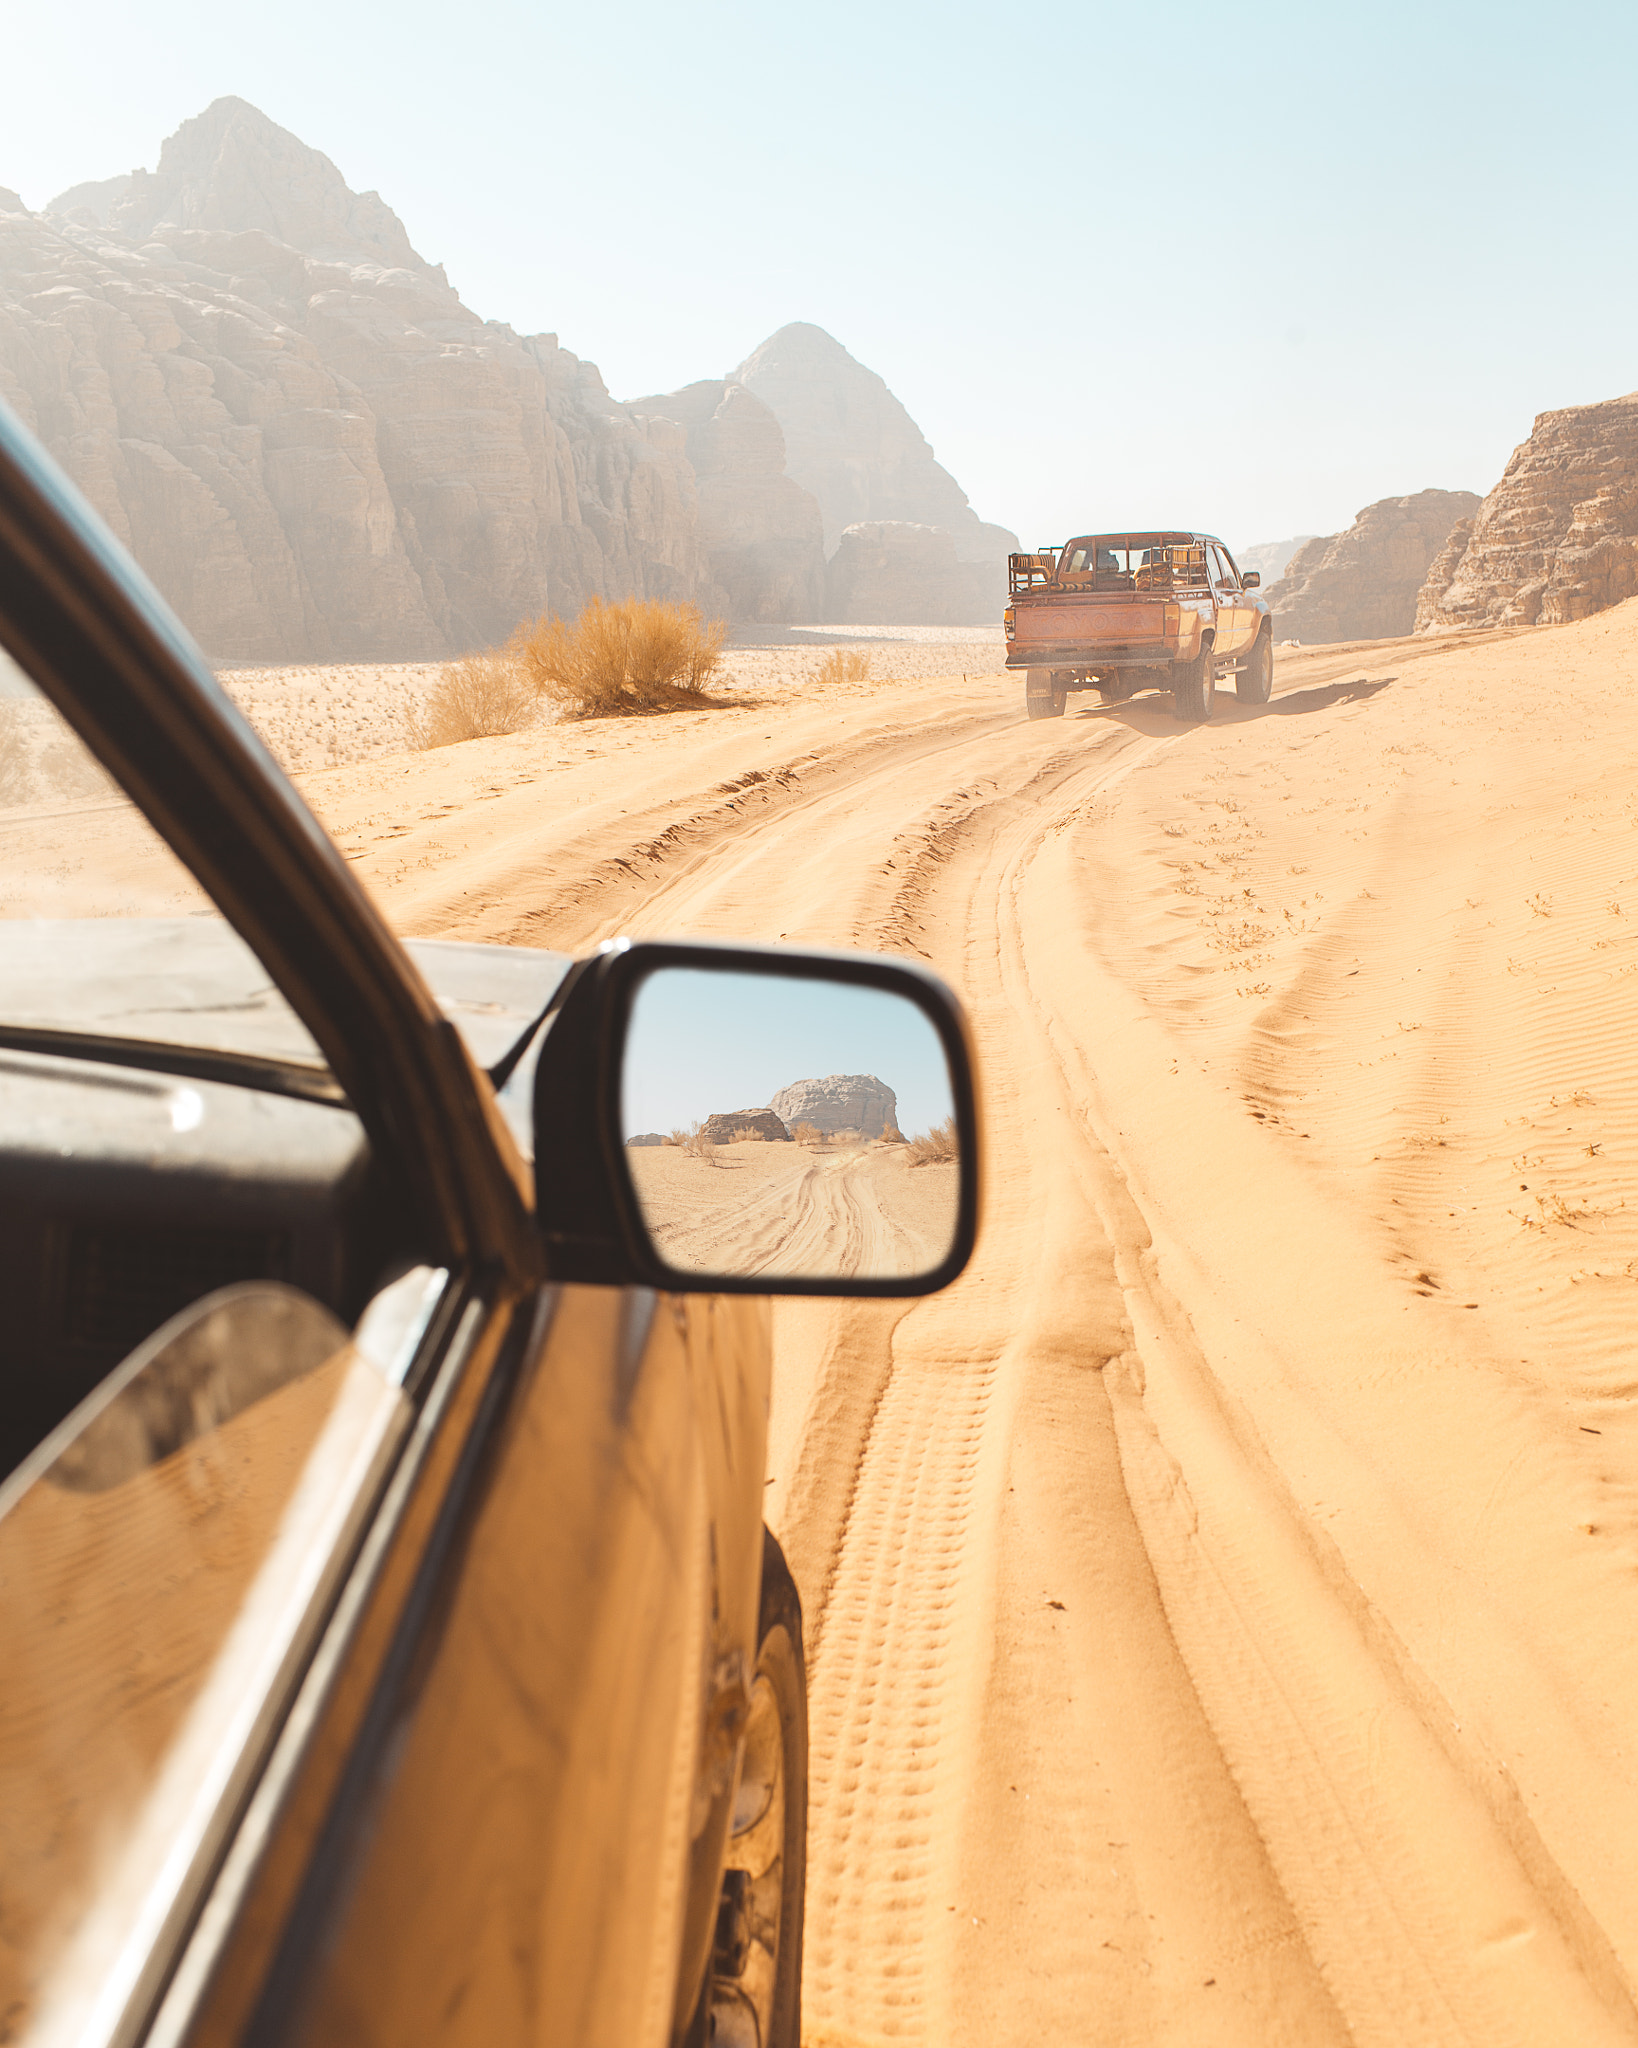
{"points": [[1251, 579], [756, 1120]]}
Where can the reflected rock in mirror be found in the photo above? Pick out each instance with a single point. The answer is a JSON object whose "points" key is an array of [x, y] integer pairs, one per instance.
{"points": [[787, 1126]]}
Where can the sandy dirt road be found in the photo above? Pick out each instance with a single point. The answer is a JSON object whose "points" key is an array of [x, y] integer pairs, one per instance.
{"points": [[1223, 1602], [790, 1209]]}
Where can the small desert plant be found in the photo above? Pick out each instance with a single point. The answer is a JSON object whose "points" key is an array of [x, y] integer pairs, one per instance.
{"points": [[892, 1135], [478, 698], [935, 1147], [843, 666], [807, 1134], [639, 655], [692, 1140]]}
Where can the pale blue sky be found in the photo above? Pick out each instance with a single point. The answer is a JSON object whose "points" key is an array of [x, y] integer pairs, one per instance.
{"points": [[1242, 266], [703, 1043]]}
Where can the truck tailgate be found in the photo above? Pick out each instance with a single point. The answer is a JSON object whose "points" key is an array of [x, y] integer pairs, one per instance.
{"points": [[1090, 622]]}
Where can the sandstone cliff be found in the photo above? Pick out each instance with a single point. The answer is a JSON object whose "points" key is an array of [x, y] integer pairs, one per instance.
{"points": [[1557, 538], [319, 453], [308, 441], [1363, 584], [851, 443], [762, 533]]}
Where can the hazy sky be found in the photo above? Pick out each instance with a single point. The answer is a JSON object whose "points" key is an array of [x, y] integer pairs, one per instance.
{"points": [[1242, 266], [704, 1043]]}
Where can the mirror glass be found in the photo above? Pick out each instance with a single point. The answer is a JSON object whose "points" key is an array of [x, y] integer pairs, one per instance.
{"points": [[790, 1127]]}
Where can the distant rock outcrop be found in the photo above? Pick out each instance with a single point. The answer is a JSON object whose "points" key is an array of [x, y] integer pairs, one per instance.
{"points": [[840, 1102], [1270, 558], [1363, 584], [763, 536], [851, 443], [312, 446], [727, 1125], [892, 573], [1557, 539]]}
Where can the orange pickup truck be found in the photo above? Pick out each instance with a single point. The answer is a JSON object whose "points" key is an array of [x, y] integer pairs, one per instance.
{"points": [[1116, 611]]}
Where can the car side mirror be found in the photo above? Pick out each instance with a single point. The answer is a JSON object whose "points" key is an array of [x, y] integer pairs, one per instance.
{"points": [[1251, 579], [739, 1120]]}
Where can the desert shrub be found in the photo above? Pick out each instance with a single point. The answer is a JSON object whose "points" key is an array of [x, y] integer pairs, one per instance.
{"points": [[934, 1147], [807, 1134], [843, 666], [691, 1139], [892, 1135], [478, 698], [639, 655]]}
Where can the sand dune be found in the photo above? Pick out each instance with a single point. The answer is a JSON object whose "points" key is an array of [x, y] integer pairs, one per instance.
{"points": [[1223, 1602]]}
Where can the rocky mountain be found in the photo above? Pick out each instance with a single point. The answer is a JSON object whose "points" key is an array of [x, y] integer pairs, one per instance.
{"points": [[1363, 584], [319, 453], [840, 1102], [1269, 557], [1557, 538], [762, 533], [851, 443]]}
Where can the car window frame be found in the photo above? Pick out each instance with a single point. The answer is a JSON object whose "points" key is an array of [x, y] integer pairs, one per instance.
{"points": [[95, 637]]}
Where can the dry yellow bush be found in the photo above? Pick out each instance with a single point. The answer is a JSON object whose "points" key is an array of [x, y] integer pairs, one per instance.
{"points": [[475, 699], [639, 655], [841, 666], [934, 1147], [807, 1134]]}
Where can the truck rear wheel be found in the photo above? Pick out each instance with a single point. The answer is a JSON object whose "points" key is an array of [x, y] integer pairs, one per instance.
{"points": [[1255, 682], [1044, 693], [1194, 685]]}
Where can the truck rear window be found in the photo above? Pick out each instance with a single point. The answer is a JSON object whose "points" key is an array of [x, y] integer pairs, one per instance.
{"points": [[1127, 561]]}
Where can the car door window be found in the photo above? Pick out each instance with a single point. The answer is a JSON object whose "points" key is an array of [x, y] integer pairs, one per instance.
{"points": [[164, 1560]]}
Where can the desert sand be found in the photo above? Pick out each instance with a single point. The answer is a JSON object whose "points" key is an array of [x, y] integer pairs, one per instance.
{"points": [[772, 1208], [1222, 1603]]}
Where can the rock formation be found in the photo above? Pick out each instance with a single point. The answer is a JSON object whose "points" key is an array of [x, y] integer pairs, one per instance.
{"points": [[762, 533], [851, 443], [840, 1102], [319, 453], [312, 446], [729, 1124], [1270, 557], [1363, 584], [1557, 538], [892, 573]]}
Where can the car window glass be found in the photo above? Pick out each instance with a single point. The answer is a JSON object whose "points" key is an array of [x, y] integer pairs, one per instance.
{"points": [[102, 928], [163, 1557]]}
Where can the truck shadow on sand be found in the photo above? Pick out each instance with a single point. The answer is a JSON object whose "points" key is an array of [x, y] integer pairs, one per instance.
{"points": [[1154, 716]]}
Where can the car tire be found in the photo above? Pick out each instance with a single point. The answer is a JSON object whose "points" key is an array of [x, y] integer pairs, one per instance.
{"points": [[1255, 682], [752, 1996], [1194, 686], [1048, 702]]}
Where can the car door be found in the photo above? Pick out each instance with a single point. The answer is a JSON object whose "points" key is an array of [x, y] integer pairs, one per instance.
{"points": [[492, 1465], [1232, 636], [424, 1710]]}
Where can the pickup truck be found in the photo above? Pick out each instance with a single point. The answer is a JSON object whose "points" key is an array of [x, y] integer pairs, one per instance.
{"points": [[1116, 611]]}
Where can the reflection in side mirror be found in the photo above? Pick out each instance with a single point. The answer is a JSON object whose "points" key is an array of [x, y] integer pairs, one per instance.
{"points": [[1251, 579], [792, 1127]]}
